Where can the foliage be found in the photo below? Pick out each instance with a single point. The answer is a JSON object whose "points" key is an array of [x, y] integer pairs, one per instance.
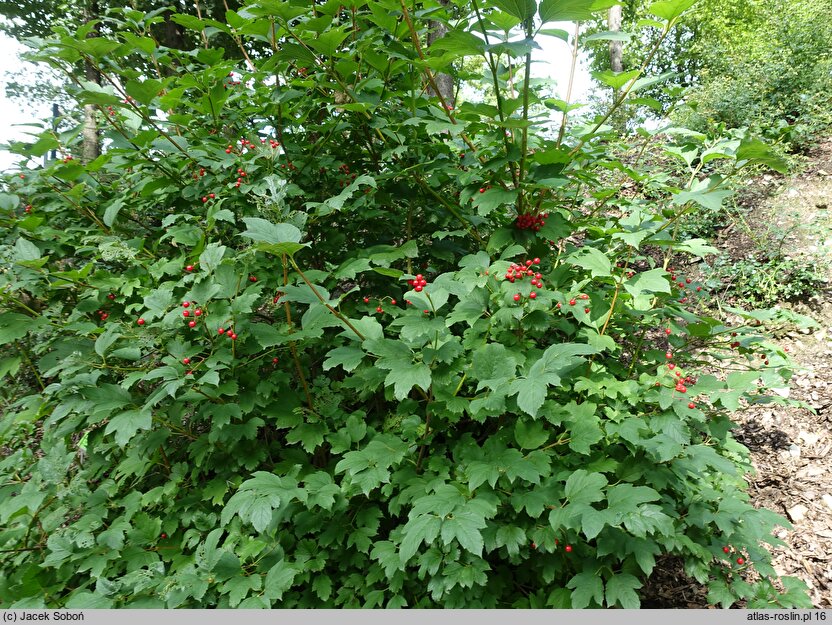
{"points": [[763, 64], [766, 280], [279, 344]]}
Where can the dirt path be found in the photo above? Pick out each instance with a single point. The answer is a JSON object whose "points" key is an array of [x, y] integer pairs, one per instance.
{"points": [[792, 447]]}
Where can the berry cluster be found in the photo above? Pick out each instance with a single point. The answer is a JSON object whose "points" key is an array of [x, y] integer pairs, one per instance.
{"points": [[418, 283], [728, 549], [187, 313], [348, 177], [681, 381], [523, 270], [683, 284], [230, 82], [531, 222], [227, 332]]}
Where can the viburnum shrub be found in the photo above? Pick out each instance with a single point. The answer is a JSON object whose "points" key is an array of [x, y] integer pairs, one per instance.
{"points": [[281, 345]]}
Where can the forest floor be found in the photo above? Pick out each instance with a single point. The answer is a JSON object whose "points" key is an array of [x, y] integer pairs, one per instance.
{"points": [[791, 447]]}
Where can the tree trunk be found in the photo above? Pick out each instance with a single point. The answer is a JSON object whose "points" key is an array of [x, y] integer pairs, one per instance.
{"points": [[616, 47], [444, 82], [91, 147]]}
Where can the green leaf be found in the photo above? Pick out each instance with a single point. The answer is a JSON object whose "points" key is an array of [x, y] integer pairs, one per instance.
{"points": [[127, 424], [521, 9], [112, 211], [348, 357], [652, 281], [616, 80], [587, 588], [530, 435], [459, 43], [127, 353], [511, 537], [493, 365], [279, 579], [420, 528], [86, 600], [670, 9], [211, 257], [274, 238], [105, 340], [327, 42], [592, 259], [610, 35], [9, 201], [755, 151], [494, 198], [26, 250], [404, 376], [464, 526], [621, 591], [583, 487], [712, 200], [322, 585], [565, 10], [144, 91]]}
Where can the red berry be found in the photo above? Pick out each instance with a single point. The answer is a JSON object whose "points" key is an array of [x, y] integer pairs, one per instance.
{"points": [[140, 322], [197, 312], [378, 309], [418, 288], [185, 304], [111, 296], [163, 536], [668, 355], [536, 261], [204, 199], [252, 278], [534, 545], [233, 336], [586, 310], [186, 361], [211, 195], [186, 313], [668, 331], [482, 190], [274, 361], [572, 302], [220, 330], [189, 268], [740, 561], [568, 548], [392, 301], [517, 297], [726, 550], [532, 295], [192, 324], [366, 300], [691, 405]]}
